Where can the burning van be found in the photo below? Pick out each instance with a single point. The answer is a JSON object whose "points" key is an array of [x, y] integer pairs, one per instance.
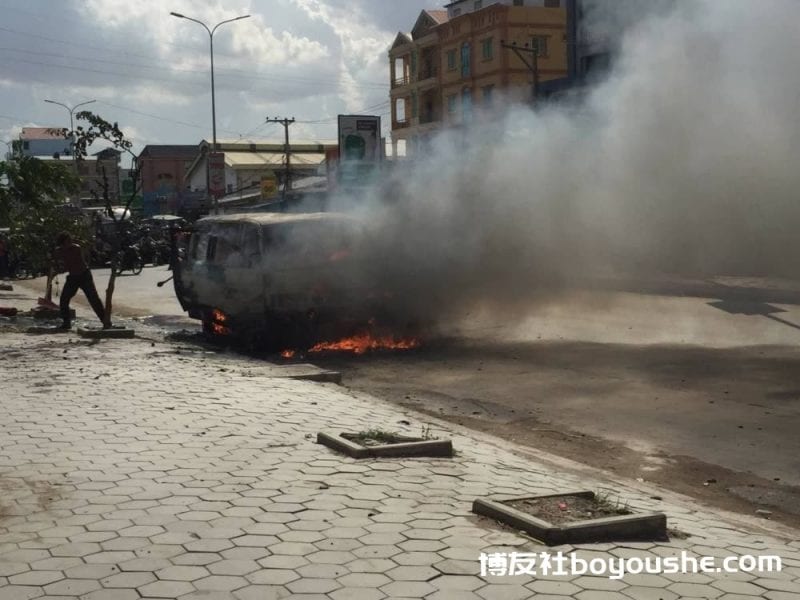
{"points": [[273, 279]]}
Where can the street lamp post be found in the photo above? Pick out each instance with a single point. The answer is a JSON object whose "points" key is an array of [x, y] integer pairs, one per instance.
{"points": [[10, 151], [71, 130], [71, 121], [213, 100]]}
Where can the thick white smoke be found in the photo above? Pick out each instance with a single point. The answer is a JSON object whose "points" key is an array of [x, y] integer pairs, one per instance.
{"points": [[685, 160]]}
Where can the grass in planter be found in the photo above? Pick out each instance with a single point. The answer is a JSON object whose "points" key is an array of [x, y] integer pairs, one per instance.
{"points": [[568, 509], [378, 437]]}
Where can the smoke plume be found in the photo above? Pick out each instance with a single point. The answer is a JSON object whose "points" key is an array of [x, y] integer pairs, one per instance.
{"points": [[685, 160]]}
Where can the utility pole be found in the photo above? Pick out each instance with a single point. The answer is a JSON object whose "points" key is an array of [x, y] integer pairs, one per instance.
{"points": [[533, 64], [10, 153], [287, 183]]}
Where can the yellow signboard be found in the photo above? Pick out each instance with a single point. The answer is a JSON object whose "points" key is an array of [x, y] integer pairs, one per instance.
{"points": [[269, 185]]}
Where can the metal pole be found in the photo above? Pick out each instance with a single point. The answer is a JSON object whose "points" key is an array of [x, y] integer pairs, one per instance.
{"points": [[10, 151], [213, 95], [287, 175]]}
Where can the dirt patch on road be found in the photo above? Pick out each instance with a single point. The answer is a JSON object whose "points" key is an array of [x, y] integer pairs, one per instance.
{"points": [[711, 484], [44, 492], [642, 412]]}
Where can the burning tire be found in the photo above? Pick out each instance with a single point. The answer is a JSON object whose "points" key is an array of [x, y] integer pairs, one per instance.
{"points": [[271, 333]]}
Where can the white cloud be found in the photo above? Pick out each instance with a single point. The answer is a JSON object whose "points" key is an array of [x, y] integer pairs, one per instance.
{"points": [[310, 59], [364, 46]]}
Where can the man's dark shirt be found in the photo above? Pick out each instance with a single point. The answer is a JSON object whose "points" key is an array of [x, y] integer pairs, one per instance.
{"points": [[71, 258]]}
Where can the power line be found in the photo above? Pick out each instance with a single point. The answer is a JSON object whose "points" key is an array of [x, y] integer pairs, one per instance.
{"points": [[233, 73], [110, 49], [166, 119], [100, 72], [112, 73], [363, 110]]}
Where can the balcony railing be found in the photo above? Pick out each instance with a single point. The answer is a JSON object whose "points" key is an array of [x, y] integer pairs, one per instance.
{"points": [[401, 81]]}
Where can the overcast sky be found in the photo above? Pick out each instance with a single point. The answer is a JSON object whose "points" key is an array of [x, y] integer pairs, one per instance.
{"points": [[308, 59]]}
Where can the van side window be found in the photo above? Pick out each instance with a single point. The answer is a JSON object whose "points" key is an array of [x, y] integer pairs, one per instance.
{"points": [[252, 245], [211, 250], [200, 246], [225, 246]]}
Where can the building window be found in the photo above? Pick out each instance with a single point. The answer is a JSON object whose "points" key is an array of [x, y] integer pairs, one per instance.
{"points": [[552, 3], [451, 60], [400, 110], [488, 94], [452, 103], [465, 62], [478, 4], [519, 2], [466, 103], [487, 47], [539, 43]]}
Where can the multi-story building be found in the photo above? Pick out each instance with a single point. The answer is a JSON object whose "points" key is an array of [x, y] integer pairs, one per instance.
{"points": [[455, 67], [162, 172], [43, 142]]}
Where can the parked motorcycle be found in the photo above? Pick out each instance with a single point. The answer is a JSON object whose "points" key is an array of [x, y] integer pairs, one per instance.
{"points": [[154, 250], [129, 259]]}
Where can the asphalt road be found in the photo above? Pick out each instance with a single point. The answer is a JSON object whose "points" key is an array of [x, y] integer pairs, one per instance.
{"points": [[701, 394], [134, 296]]}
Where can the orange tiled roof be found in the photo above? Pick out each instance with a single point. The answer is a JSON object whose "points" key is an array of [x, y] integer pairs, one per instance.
{"points": [[440, 16], [41, 133]]}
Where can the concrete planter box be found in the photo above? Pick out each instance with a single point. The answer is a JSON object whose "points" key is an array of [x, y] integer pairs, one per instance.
{"points": [[115, 333], [633, 527], [341, 444]]}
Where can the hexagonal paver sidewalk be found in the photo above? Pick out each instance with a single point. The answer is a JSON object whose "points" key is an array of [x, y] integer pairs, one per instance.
{"points": [[131, 469]]}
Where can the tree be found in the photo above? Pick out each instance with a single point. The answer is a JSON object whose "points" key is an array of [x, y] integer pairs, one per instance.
{"points": [[97, 129], [32, 205]]}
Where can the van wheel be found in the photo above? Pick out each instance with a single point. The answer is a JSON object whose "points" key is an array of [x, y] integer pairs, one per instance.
{"points": [[266, 337], [305, 331]]}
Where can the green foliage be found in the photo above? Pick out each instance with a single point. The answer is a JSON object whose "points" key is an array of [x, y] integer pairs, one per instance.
{"points": [[34, 233], [95, 128], [32, 205], [98, 129], [30, 184]]}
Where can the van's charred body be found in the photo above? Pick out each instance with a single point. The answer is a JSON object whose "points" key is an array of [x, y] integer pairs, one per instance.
{"points": [[276, 280]]}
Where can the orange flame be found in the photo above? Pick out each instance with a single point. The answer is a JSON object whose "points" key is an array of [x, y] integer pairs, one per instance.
{"points": [[362, 343], [220, 329], [217, 322], [288, 354]]}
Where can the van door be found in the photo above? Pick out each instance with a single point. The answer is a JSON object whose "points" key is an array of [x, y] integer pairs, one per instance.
{"points": [[238, 255]]}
